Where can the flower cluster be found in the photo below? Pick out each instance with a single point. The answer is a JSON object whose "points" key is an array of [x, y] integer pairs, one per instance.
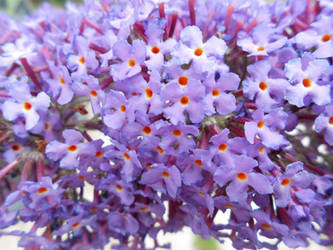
{"points": [[172, 112]]}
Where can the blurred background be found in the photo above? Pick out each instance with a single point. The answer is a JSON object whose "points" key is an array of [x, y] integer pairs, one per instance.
{"points": [[184, 240]]}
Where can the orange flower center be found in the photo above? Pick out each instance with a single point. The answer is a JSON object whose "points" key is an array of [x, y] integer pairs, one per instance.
{"points": [[263, 86], [261, 149], [223, 147], [82, 60], [75, 225], [285, 182], [99, 154], [82, 178], [261, 48], [155, 50], [326, 37], [126, 156], [201, 194], [229, 206], [306, 83], [177, 132], [93, 93], [16, 147], [216, 92], [260, 124], [72, 148], [198, 52], [119, 188], [198, 162], [144, 209], [266, 226], [131, 62], [183, 80], [149, 93], [27, 106], [165, 174], [330, 121], [146, 130], [42, 190], [47, 126], [242, 176], [122, 108], [61, 81], [184, 100], [160, 150]]}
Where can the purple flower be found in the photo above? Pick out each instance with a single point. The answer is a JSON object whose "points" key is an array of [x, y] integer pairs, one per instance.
{"points": [[295, 175], [157, 48], [88, 86], [241, 176], [83, 60], [268, 227], [60, 84], [69, 152], [122, 223], [131, 59], [262, 41], [319, 36], [324, 122], [192, 48], [267, 92], [162, 179], [24, 105], [305, 79], [115, 109], [217, 98], [181, 99], [266, 127]]}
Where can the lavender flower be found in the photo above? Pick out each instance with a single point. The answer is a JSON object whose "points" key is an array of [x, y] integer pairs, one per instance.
{"points": [[124, 119]]}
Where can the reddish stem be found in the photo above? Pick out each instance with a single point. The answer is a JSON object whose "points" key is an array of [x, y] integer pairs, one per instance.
{"points": [[3, 94], [240, 120], [106, 82], [236, 131], [191, 6], [30, 72], [227, 19], [161, 10], [91, 25], [238, 93], [174, 18], [40, 169], [251, 25], [138, 27], [97, 48], [11, 69], [309, 166], [87, 136], [7, 168], [250, 105], [25, 171]]}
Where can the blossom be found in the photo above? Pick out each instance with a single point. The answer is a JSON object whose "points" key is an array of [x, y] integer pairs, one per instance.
{"points": [[131, 57], [193, 49], [263, 125], [24, 105], [305, 83], [124, 119], [69, 152], [163, 179], [324, 122]]}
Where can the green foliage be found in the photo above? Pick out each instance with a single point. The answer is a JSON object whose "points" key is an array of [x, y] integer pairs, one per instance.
{"points": [[15, 7], [200, 244]]}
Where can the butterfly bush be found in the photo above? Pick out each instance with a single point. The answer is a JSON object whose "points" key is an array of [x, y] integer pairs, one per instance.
{"points": [[173, 113]]}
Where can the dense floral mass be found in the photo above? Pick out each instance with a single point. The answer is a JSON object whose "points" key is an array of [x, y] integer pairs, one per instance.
{"points": [[202, 108]]}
